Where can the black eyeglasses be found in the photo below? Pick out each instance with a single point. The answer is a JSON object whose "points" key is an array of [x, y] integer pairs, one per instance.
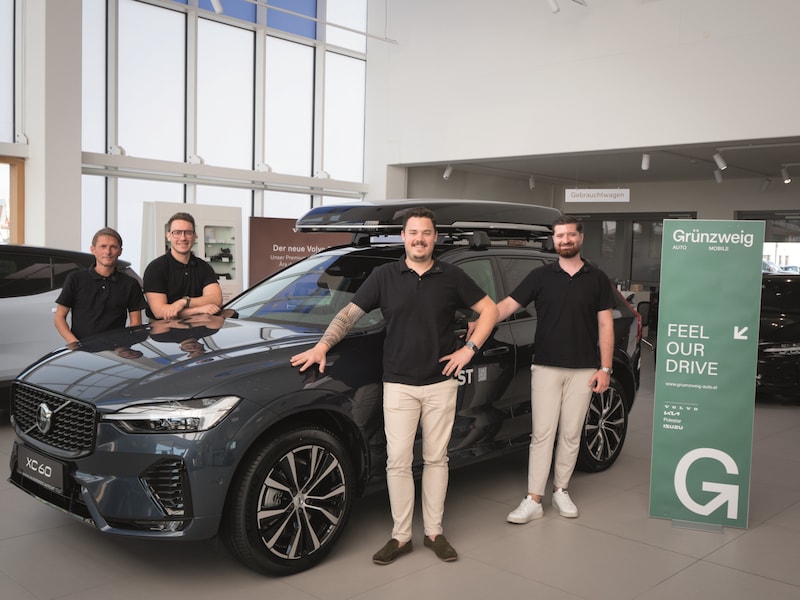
{"points": [[182, 233]]}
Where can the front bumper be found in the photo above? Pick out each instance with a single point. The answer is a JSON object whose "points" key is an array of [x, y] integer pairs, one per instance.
{"points": [[163, 485]]}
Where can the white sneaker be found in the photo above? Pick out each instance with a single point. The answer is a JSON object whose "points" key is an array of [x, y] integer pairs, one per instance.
{"points": [[528, 510], [564, 504]]}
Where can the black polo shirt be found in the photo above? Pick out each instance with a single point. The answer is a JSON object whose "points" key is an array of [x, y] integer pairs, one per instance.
{"points": [[566, 309], [420, 317], [99, 303], [166, 275]]}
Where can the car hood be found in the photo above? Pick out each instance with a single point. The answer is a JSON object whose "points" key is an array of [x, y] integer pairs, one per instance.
{"points": [[167, 360]]}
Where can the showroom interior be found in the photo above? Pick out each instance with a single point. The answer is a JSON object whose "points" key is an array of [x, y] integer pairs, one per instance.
{"points": [[115, 111]]}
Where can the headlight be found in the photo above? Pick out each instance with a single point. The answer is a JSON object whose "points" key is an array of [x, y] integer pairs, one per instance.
{"points": [[180, 416]]}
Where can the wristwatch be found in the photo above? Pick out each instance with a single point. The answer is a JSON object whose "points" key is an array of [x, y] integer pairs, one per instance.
{"points": [[607, 370], [187, 299], [472, 346]]}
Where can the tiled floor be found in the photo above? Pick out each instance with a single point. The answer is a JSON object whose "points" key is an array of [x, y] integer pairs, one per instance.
{"points": [[614, 550]]}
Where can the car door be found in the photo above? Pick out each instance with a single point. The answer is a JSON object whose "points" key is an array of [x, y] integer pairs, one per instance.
{"points": [[521, 329], [480, 414]]}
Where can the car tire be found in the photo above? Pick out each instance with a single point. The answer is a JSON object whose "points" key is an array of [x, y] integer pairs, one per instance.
{"points": [[289, 502], [604, 430]]}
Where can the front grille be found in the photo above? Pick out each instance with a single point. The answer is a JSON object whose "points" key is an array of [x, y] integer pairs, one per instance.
{"points": [[166, 481], [72, 425]]}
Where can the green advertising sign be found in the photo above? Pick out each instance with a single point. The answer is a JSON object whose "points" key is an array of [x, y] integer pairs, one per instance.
{"points": [[708, 317]]}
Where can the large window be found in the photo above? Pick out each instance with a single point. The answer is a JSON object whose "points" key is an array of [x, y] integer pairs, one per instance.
{"points": [[225, 95], [289, 106], [781, 237], [152, 81], [93, 77], [246, 108], [344, 117], [6, 70]]}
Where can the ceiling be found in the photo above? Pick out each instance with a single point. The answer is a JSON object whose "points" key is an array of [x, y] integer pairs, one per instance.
{"points": [[748, 159]]}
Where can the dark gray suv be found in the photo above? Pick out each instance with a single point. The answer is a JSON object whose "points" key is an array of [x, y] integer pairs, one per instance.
{"points": [[205, 427]]}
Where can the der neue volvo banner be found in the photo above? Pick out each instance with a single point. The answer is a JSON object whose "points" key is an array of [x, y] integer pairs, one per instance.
{"points": [[709, 303]]}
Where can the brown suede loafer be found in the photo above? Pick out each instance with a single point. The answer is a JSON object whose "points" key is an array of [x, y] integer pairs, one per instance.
{"points": [[444, 551], [390, 551]]}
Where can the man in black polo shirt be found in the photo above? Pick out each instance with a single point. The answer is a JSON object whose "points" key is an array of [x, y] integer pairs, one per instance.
{"points": [[100, 298], [418, 297], [179, 284], [573, 350]]}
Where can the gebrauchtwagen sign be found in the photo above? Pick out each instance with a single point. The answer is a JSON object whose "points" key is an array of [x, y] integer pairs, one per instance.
{"points": [[709, 302]]}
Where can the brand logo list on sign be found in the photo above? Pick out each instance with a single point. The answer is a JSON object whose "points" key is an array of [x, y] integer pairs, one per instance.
{"points": [[705, 370]]}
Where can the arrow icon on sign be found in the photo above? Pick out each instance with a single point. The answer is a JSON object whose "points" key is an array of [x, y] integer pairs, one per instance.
{"points": [[740, 333]]}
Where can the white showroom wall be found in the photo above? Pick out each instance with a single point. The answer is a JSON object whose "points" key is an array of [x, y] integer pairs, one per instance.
{"points": [[470, 79]]}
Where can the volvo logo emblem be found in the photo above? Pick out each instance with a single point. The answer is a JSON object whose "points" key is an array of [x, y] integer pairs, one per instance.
{"points": [[44, 418]]}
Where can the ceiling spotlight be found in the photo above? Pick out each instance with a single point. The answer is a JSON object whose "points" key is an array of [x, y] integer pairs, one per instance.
{"points": [[217, 5], [581, 2], [720, 161], [765, 184], [447, 172], [785, 175], [718, 175], [531, 182], [554, 6], [645, 161]]}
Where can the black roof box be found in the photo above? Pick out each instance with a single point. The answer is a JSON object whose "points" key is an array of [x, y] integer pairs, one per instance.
{"points": [[493, 217]]}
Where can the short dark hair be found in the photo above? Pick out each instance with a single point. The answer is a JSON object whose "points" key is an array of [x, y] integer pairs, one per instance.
{"points": [[422, 213], [107, 231], [569, 220], [181, 216]]}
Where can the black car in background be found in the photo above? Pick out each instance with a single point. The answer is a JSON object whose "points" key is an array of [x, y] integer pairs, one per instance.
{"points": [[778, 369], [202, 427]]}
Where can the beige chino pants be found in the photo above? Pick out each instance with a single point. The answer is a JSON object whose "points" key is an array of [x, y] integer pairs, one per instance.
{"points": [[404, 408], [559, 401]]}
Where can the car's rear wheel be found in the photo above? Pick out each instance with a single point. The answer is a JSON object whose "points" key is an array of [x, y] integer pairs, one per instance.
{"points": [[604, 430], [289, 502]]}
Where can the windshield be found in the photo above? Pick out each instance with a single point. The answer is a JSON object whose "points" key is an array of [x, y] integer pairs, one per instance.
{"points": [[310, 292]]}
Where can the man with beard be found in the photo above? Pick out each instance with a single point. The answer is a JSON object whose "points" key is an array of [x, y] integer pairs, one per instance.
{"points": [[573, 350], [418, 296]]}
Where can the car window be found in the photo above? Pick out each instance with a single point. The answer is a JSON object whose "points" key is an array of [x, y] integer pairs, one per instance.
{"points": [[514, 270], [61, 268], [310, 292], [24, 275], [481, 273]]}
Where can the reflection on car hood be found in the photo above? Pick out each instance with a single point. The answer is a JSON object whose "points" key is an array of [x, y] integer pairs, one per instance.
{"points": [[160, 360]]}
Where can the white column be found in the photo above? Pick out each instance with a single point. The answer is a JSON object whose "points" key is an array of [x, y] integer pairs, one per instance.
{"points": [[51, 121]]}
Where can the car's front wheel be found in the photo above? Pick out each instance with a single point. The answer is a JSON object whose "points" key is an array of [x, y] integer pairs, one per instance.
{"points": [[604, 430], [289, 502]]}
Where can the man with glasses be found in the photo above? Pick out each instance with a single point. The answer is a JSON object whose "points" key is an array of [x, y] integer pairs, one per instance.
{"points": [[179, 284]]}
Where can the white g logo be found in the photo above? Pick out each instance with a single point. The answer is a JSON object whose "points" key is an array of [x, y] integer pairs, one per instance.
{"points": [[725, 492]]}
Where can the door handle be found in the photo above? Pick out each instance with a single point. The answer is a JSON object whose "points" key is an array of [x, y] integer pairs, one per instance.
{"points": [[496, 351]]}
